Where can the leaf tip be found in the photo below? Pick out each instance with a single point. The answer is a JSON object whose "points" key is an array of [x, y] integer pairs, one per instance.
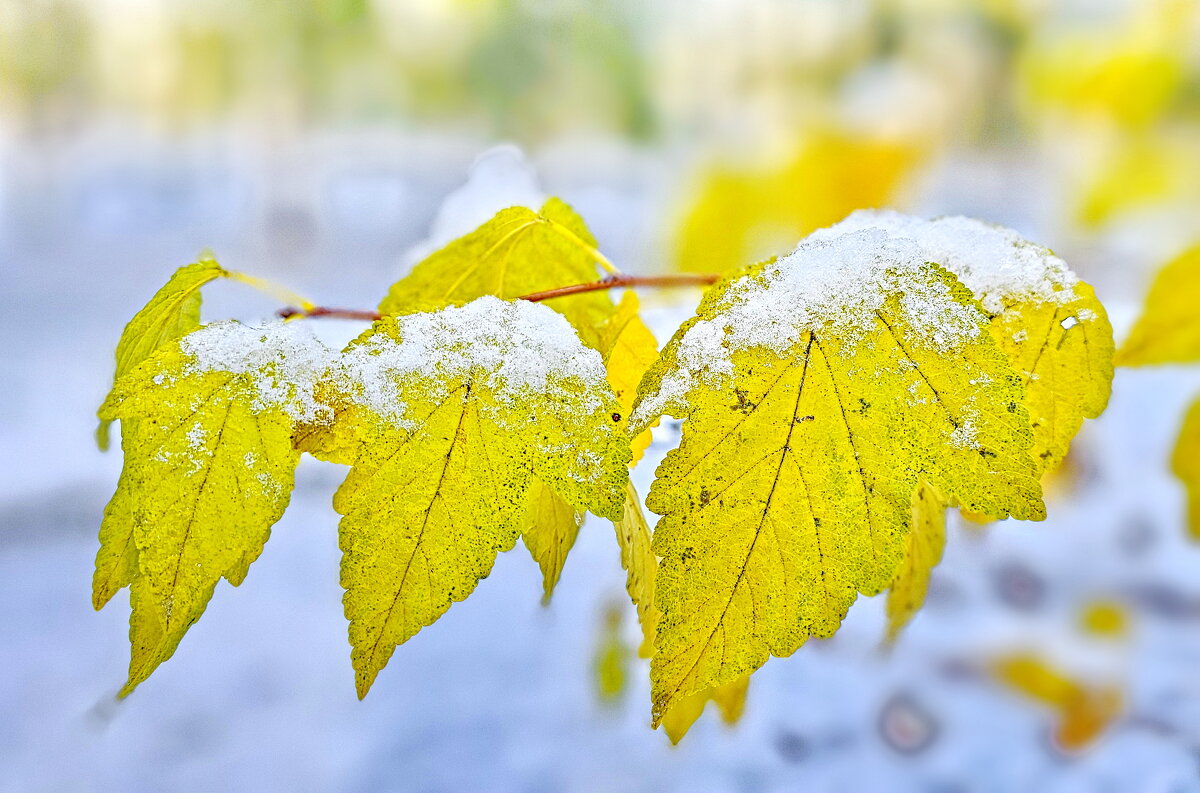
{"points": [[362, 684], [100, 597]]}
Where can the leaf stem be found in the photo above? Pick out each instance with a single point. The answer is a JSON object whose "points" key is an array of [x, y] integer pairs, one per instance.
{"points": [[291, 312], [619, 281], [612, 282], [273, 289]]}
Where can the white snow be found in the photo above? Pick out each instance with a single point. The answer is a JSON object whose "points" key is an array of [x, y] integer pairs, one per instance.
{"points": [[284, 359], [994, 262], [518, 350], [834, 284]]}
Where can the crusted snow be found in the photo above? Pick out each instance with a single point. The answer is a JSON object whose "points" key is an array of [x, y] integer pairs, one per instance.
{"points": [[517, 350], [994, 262], [833, 284], [283, 359]]}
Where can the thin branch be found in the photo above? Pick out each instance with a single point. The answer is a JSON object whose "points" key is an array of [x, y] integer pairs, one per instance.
{"points": [[325, 311], [612, 282], [619, 281]]}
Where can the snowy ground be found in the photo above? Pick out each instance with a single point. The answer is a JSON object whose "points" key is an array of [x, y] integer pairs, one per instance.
{"points": [[498, 695]]}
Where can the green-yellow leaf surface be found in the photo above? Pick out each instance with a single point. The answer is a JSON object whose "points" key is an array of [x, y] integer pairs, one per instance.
{"points": [[173, 311], [641, 567], [922, 552], [459, 411], [549, 530], [731, 703], [519, 252], [1054, 331], [116, 560], [1064, 353], [818, 392], [516, 253], [207, 434], [1168, 330]]}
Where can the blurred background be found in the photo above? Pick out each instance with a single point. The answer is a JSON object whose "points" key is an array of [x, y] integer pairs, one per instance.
{"points": [[328, 144]]}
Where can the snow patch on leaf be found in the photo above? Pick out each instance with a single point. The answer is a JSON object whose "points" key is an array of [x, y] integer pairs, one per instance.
{"points": [[516, 349], [283, 359], [834, 285], [995, 263]]}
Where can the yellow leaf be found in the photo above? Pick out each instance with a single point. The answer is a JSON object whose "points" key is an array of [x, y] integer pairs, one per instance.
{"points": [[516, 253], [817, 392], [1048, 322], [1106, 618], [549, 530], [519, 252], [1084, 712], [116, 560], [459, 411], [975, 520], [683, 714], [1036, 679], [173, 311], [629, 349], [1129, 74], [1064, 353], [1185, 462], [1088, 717], [922, 551], [1168, 330], [1150, 169], [612, 658], [640, 564], [731, 703], [743, 215], [731, 699], [208, 470]]}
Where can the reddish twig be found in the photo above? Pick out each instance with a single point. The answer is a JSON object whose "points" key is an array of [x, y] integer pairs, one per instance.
{"points": [[612, 282], [324, 311], [618, 281]]}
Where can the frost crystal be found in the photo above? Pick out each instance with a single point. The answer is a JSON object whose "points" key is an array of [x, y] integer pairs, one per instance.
{"points": [[994, 262], [517, 350], [283, 359], [833, 285]]}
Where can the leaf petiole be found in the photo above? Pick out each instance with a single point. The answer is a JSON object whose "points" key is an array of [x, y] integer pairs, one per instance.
{"points": [[308, 310]]}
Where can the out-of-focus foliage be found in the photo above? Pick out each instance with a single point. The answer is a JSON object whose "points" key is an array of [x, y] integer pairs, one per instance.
{"points": [[1185, 462], [492, 61], [1168, 331], [1083, 711], [1105, 618], [1130, 73], [611, 664], [1117, 94], [743, 215]]}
